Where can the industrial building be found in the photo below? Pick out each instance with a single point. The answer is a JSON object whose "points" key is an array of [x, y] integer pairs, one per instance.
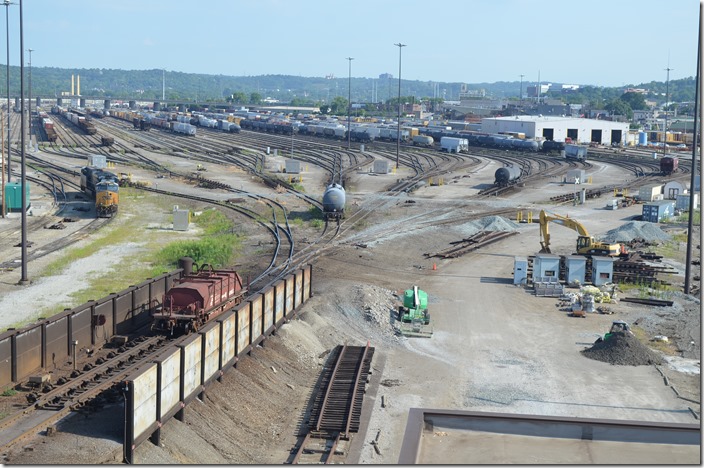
{"points": [[559, 128]]}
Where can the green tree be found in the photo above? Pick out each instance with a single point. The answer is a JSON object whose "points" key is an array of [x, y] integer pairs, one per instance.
{"points": [[339, 105], [255, 98], [619, 107], [238, 98], [324, 109], [635, 100]]}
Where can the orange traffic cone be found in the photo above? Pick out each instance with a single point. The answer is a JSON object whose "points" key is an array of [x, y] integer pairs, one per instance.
{"points": [[435, 267]]}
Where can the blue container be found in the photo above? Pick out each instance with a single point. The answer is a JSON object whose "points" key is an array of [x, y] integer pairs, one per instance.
{"points": [[642, 139]]}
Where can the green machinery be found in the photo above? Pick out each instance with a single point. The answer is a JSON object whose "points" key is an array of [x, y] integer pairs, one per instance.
{"points": [[618, 327], [414, 312]]}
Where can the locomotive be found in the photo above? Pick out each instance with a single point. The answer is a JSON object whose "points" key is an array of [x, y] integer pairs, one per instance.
{"points": [[196, 299], [103, 186]]}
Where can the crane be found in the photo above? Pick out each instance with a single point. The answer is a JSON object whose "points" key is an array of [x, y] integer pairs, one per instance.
{"points": [[586, 245]]}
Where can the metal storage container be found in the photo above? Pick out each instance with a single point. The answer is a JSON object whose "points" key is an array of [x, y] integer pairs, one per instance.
{"points": [[682, 201], [97, 160], [181, 220], [520, 270], [546, 266], [649, 193], [293, 166], [642, 139], [657, 211], [381, 166], [13, 196], [575, 175]]}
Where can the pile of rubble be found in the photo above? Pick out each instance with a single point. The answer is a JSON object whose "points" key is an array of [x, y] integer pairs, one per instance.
{"points": [[622, 349], [636, 230]]}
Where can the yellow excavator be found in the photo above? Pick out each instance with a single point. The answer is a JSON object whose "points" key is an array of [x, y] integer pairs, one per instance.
{"points": [[586, 245]]}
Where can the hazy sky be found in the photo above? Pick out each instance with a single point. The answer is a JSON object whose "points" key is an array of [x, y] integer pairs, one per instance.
{"points": [[601, 42]]}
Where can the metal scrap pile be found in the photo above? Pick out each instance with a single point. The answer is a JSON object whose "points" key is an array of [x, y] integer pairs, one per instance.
{"points": [[622, 349]]}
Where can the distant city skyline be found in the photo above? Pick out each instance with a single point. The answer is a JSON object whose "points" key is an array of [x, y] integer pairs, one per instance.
{"points": [[603, 43]]}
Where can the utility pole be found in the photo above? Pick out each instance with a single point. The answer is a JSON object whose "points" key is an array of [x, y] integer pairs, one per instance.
{"points": [[398, 130], [521, 95], [349, 101], [667, 99], [24, 279], [29, 102], [7, 4], [697, 139]]}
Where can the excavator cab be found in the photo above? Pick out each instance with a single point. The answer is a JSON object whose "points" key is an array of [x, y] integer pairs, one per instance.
{"points": [[618, 327]]}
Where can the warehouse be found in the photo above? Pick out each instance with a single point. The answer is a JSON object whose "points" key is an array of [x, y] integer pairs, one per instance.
{"points": [[559, 128]]}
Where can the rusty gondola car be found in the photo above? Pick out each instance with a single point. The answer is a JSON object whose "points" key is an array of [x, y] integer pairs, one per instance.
{"points": [[196, 299]]}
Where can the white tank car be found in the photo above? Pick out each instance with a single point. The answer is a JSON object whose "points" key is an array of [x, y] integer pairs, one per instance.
{"points": [[334, 201]]}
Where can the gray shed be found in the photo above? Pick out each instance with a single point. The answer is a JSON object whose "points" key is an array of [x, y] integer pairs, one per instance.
{"points": [[575, 269], [520, 270], [602, 270], [293, 166], [546, 265], [381, 166]]}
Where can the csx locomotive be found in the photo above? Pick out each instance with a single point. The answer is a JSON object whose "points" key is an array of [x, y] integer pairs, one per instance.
{"points": [[102, 186]]}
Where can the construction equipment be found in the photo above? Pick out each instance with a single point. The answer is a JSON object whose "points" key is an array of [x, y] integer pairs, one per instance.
{"points": [[618, 327], [586, 245], [414, 311]]}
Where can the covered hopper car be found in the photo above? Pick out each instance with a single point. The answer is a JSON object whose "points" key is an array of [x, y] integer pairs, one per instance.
{"points": [[196, 299]]}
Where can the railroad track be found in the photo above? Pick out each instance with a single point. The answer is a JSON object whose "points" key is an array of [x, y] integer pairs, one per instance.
{"points": [[337, 407], [72, 394]]}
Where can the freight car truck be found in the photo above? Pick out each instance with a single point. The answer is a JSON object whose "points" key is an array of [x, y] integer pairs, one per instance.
{"points": [[454, 145]]}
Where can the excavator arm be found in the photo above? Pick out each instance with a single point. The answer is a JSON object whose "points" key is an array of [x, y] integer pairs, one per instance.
{"points": [[585, 243], [545, 220]]}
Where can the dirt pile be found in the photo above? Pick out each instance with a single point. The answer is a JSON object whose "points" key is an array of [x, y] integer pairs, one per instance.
{"points": [[648, 232], [622, 349]]}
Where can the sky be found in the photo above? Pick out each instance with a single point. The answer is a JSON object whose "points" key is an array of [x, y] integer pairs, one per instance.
{"points": [[598, 42]]}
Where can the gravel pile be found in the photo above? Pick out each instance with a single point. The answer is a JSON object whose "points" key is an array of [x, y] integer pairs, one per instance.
{"points": [[487, 223], [622, 349], [649, 232], [379, 306]]}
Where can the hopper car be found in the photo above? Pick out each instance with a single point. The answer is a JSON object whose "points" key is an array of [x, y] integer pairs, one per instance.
{"points": [[103, 187], [196, 299]]}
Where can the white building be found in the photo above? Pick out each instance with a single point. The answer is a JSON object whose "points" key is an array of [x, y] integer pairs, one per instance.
{"points": [[559, 128]]}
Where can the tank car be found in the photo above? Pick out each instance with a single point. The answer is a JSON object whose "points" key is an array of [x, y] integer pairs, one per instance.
{"points": [[196, 299], [507, 175], [334, 202], [550, 145]]}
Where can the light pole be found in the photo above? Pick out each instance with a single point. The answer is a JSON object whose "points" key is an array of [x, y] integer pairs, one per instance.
{"points": [[349, 101], [29, 102], [667, 99], [7, 4], [398, 130], [23, 280]]}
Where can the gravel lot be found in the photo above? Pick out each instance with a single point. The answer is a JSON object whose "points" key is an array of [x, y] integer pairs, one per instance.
{"points": [[495, 346]]}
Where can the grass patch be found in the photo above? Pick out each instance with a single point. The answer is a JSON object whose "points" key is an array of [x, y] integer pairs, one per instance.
{"points": [[9, 392], [666, 347]]}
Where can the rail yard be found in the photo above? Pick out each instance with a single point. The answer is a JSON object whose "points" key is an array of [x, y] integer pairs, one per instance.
{"points": [[349, 239]]}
